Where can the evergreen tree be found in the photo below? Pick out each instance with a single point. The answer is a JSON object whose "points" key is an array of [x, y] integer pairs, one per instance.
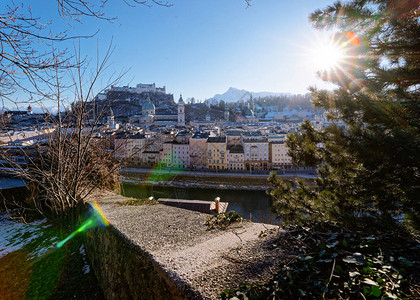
{"points": [[369, 166]]}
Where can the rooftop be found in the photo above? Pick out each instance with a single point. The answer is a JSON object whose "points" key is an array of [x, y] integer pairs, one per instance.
{"points": [[217, 139], [234, 132], [201, 135], [131, 136], [235, 149]]}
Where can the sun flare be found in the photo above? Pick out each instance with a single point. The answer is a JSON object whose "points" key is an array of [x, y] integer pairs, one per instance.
{"points": [[327, 56]]}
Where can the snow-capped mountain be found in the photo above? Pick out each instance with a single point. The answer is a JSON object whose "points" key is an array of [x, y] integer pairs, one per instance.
{"points": [[234, 95]]}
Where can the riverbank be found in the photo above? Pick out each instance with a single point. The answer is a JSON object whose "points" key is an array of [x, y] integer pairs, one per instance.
{"points": [[251, 204], [201, 179]]}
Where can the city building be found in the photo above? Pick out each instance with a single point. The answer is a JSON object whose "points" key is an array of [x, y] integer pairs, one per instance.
{"points": [[111, 121], [256, 152], [278, 152], [129, 147], [234, 137], [198, 147], [235, 157], [150, 158], [148, 116], [175, 155], [139, 89], [278, 155], [216, 153]]}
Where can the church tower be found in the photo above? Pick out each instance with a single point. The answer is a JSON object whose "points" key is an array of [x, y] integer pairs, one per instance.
{"points": [[226, 112], [181, 112], [111, 119], [251, 101]]}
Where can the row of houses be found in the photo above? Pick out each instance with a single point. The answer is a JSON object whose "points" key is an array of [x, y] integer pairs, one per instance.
{"points": [[204, 150]]}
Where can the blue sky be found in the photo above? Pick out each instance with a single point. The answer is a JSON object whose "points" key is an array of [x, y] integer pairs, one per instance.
{"points": [[200, 48]]}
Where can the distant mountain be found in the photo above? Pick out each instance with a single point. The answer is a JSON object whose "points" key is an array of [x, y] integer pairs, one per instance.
{"points": [[234, 95]]}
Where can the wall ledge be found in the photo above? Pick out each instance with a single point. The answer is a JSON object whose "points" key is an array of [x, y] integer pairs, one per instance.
{"points": [[163, 252]]}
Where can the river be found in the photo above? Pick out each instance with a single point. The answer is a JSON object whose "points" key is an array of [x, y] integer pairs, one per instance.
{"points": [[250, 204]]}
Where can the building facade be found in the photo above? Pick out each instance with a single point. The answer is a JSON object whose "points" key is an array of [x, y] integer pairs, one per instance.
{"points": [[256, 154], [129, 148], [140, 88], [198, 148], [278, 155], [175, 155], [216, 153], [235, 157]]}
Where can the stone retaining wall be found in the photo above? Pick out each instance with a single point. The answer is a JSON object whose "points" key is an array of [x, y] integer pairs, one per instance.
{"points": [[163, 252], [124, 271]]}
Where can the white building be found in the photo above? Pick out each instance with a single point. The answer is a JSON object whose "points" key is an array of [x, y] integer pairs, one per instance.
{"points": [[129, 148], [175, 155], [278, 155], [111, 121], [235, 157], [278, 152], [256, 153]]}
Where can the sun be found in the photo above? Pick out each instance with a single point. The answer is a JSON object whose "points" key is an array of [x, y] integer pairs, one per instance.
{"points": [[326, 56]]}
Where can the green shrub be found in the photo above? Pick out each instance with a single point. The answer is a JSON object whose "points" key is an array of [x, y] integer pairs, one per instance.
{"points": [[223, 220], [332, 263]]}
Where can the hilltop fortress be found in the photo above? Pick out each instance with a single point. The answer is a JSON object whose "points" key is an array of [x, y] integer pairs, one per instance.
{"points": [[127, 101], [140, 88]]}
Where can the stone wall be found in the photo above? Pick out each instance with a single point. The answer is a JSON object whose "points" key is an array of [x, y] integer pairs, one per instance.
{"points": [[124, 271], [164, 252]]}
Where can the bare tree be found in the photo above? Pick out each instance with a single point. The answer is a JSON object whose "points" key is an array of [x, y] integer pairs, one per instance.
{"points": [[68, 161], [31, 50]]}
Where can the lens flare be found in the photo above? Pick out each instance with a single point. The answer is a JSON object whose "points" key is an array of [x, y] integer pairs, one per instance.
{"points": [[100, 215], [97, 219], [161, 173], [356, 85], [352, 38]]}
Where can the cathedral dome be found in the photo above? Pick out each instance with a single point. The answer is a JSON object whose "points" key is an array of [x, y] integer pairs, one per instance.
{"points": [[148, 105]]}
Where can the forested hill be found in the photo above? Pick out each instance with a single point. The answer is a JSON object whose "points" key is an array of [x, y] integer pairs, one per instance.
{"points": [[298, 101]]}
